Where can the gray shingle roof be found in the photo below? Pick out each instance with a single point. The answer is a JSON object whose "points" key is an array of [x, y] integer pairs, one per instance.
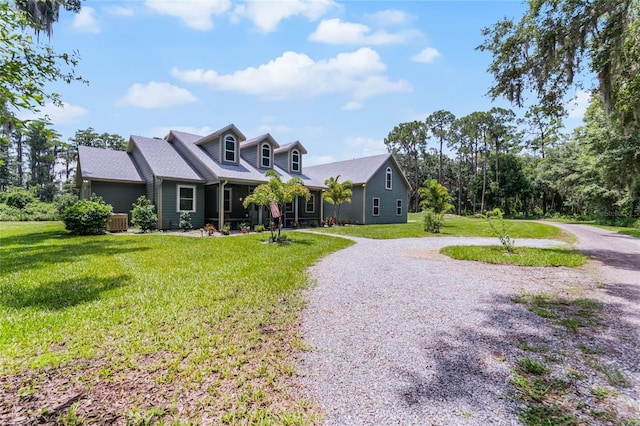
{"points": [[164, 160], [105, 164], [289, 146], [240, 172], [358, 170], [257, 140]]}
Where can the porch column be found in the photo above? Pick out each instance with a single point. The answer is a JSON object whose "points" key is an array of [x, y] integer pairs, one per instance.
{"points": [[295, 209], [221, 204]]}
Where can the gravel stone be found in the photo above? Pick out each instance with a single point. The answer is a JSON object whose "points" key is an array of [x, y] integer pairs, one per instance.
{"points": [[402, 335]]}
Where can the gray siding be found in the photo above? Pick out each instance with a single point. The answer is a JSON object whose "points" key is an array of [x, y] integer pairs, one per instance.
{"points": [[349, 212], [120, 195], [213, 149], [282, 160], [170, 214], [250, 155], [376, 188]]}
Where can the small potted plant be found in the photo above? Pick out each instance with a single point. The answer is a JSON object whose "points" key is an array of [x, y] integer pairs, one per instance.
{"points": [[210, 229], [244, 227], [226, 229], [295, 224], [258, 228]]}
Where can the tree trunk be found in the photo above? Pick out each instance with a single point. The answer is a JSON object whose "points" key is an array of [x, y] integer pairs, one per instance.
{"points": [[484, 176]]}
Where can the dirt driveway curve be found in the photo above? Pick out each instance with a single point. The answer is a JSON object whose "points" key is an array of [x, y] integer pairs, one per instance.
{"points": [[402, 335]]}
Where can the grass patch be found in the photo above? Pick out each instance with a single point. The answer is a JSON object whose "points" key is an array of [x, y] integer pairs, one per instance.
{"points": [[522, 256], [209, 322], [633, 232], [453, 226], [573, 314]]}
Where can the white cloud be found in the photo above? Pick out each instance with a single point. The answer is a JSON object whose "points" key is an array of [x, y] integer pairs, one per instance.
{"points": [[315, 159], [389, 17], [266, 15], [334, 31], [156, 95], [86, 21], [273, 129], [362, 146], [580, 103], [352, 106], [119, 11], [65, 114], [427, 55], [194, 14], [163, 131], [296, 75]]}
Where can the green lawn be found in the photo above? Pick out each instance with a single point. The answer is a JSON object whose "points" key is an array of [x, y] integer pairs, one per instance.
{"points": [[202, 324], [522, 256], [453, 226]]}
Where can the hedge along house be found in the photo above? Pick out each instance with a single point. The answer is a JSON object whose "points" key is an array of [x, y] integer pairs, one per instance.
{"points": [[210, 176], [380, 189]]}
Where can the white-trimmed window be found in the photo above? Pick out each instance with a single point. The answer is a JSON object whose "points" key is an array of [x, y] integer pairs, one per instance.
{"points": [[311, 204], [265, 155], [398, 207], [186, 198], [295, 160], [230, 149], [388, 179], [375, 210], [227, 200], [288, 207]]}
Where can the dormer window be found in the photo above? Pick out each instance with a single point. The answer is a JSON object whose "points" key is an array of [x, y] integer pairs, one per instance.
{"points": [[388, 179], [265, 155], [295, 161], [230, 149]]}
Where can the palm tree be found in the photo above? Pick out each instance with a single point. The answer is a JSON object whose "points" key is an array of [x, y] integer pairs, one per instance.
{"points": [[277, 192], [337, 193]]}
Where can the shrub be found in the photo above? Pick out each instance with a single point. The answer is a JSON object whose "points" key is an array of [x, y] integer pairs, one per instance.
{"points": [[63, 201], [39, 211], [185, 221], [500, 229], [87, 217], [258, 228], [144, 214], [8, 213], [18, 198], [433, 221]]}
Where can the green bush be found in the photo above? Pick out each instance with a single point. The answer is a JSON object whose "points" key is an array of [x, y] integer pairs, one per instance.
{"points": [[9, 214], [87, 217], [63, 201], [18, 198], [39, 211], [144, 214], [433, 221], [185, 221]]}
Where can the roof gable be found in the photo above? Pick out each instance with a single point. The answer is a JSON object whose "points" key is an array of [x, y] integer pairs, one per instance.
{"points": [[358, 170], [258, 139], [289, 146], [231, 128]]}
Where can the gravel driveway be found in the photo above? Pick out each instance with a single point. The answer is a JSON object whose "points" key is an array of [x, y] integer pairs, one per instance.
{"points": [[402, 335]]}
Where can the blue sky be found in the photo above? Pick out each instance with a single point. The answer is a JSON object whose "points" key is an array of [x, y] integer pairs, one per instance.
{"points": [[337, 76]]}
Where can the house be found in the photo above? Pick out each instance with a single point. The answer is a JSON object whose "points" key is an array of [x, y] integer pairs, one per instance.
{"points": [[379, 193], [210, 176]]}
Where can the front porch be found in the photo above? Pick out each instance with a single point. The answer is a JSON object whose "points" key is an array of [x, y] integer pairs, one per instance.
{"points": [[223, 204]]}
